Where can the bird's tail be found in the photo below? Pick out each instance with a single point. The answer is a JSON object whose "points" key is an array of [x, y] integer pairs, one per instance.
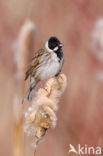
{"points": [[28, 95]]}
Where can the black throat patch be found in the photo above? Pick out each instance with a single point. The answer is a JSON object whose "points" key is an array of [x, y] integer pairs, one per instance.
{"points": [[59, 54]]}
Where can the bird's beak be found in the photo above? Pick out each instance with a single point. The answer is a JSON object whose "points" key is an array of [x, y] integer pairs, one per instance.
{"points": [[61, 45]]}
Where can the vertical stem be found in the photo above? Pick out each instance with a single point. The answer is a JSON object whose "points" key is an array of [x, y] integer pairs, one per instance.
{"points": [[17, 138], [35, 147], [25, 47], [17, 128]]}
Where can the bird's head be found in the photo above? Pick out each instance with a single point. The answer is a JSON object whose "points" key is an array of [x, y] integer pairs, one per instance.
{"points": [[53, 44]]}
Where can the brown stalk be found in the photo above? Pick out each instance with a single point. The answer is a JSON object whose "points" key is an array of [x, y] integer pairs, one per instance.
{"points": [[24, 52]]}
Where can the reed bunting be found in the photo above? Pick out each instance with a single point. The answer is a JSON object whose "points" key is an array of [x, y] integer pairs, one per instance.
{"points": [[46, 63]]}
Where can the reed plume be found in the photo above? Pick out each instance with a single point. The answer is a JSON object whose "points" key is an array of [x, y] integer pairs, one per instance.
{"points": [[42, 114], [25, 47], [98, 45], [98, 39], [24, 51]]}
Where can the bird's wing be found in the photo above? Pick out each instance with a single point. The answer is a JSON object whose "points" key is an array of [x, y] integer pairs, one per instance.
{"points": [[35, 61]]}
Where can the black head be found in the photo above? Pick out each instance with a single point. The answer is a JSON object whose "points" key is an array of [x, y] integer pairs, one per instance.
{"points": [[54, 44]]}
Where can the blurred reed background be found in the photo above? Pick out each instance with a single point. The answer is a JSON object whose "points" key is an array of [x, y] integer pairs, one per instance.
{"points": [[79, 25]]}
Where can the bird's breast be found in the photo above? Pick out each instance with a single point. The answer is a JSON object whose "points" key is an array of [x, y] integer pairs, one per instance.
{"points": [[50, 68]]}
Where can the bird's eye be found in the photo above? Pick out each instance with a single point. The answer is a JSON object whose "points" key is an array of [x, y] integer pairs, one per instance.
{"points": [[56, 48]]}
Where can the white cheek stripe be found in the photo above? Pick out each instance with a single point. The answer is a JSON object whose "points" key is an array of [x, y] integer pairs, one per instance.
{"points": [[56, 48], [47, 48]]}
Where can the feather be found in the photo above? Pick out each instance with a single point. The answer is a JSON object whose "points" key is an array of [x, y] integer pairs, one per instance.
{"points": [[28, 95], [33, 65]]}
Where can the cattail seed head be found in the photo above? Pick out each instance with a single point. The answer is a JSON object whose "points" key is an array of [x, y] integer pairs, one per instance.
{"points": [[42, 114]]}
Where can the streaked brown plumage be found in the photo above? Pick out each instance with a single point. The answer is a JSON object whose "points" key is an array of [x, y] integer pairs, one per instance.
{"points": [[34, 63]]}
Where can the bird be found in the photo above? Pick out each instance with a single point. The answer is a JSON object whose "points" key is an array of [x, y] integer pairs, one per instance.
{"points": [[46, 63]]}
